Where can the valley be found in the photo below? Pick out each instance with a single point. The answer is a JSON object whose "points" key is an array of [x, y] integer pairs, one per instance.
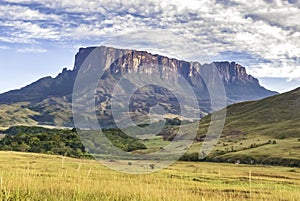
{"points": [[256, 156]]}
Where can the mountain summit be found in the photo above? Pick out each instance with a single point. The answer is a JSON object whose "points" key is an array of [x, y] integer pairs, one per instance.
{"points": [[49, 100]]}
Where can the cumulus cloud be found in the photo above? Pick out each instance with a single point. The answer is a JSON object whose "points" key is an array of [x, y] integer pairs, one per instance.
{"points": [[15, 12], [31, 50], [263, 34], [161, 42]]}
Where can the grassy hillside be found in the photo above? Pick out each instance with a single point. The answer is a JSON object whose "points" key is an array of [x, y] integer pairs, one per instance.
{"points": [[25, 176], [51, 111], [265, 131], [16, 114], [277, 116]]}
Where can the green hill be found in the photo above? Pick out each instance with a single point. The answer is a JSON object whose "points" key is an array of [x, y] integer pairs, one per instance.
{"points": [[265, 131]]}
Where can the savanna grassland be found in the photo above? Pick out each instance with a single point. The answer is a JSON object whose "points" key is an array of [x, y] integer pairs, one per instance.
{"points": [[30, 176]]}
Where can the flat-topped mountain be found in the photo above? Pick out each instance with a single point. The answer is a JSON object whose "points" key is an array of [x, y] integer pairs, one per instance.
{"points": [[48, 100]]}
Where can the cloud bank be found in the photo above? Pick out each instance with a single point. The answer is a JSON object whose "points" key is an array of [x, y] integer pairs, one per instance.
{"points": [[263, 35]]}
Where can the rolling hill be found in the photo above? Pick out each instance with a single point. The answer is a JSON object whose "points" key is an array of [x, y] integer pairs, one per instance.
{"points": [[266, 131]]}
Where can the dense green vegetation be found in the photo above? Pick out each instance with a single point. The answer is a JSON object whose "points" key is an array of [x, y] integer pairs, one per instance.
{"points": [[43, 140], [61, 141]]}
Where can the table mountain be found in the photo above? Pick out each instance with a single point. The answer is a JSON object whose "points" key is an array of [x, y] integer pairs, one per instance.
{"points": [[49, 100]]}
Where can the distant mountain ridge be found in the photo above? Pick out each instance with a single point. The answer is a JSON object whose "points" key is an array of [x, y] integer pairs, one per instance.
{"points": [[49, 97]]}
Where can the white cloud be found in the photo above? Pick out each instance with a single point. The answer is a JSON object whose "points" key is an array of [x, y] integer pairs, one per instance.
{"points": [[264, 33], [26, 32], [275, 70], [160, 42], [31, 50], [13, 12]]}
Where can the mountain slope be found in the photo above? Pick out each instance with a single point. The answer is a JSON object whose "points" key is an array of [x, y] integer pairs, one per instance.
{"points": [[276, 116], [48, 100], [265, 131]]}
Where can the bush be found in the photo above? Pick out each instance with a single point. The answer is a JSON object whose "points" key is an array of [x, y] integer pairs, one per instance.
{"points": [[190, 157]]}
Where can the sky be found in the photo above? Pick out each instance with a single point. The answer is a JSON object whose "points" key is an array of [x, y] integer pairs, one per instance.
{"points": [[40, 37]]}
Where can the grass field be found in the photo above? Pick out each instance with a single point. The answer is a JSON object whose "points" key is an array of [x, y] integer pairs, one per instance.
{"points": [[25, 176]]}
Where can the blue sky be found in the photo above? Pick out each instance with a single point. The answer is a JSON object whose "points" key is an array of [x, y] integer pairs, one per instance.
{"points": [[40, 37]]}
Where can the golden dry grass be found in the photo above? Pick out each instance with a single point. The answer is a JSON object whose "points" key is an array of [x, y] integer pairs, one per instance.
{"points": [[25, 176]]}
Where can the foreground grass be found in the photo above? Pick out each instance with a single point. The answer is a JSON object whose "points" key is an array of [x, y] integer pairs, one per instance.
{"points": [[26, 176]]}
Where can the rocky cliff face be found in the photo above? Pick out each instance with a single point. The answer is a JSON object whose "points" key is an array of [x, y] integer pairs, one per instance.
{"points": [[234, 73], [238, 84], [124, 61], [131, 61]]}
